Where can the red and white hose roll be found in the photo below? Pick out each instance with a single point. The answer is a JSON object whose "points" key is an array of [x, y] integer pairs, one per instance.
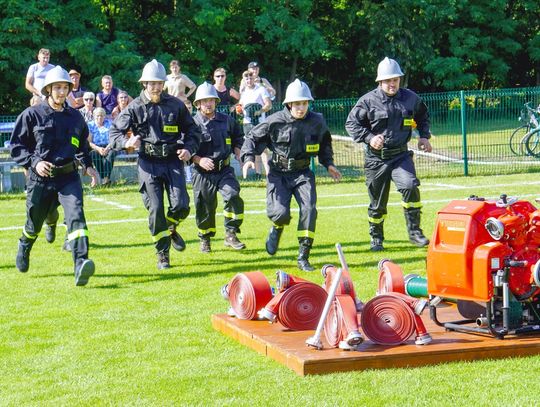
{"points": [[390, 278], [284, 280], [345, 286], [247, 293], [390, 319], [341, 324]]}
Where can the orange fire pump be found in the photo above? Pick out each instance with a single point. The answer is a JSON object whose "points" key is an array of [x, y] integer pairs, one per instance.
{"points": [[485, 255]]}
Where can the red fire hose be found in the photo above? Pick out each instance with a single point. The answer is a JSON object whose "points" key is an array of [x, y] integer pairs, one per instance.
{"points": [[345, 287], [387, 320], [284, 280], [248, 292], [390, 278], [301, 306], [341, 324]]}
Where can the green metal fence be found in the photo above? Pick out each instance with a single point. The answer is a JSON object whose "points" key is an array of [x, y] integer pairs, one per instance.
{"points": [[471, 133]]}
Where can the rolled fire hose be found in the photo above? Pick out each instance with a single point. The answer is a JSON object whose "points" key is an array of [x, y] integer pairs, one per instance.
{"points": [[345, 285], [390, 278], [341, 324], [248, 292], [387, 320], [301, 306]]}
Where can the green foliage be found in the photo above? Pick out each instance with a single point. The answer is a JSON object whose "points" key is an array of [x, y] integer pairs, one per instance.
{"points": [[333, 45]]}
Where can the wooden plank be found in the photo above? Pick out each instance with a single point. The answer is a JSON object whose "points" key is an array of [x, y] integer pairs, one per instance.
{"points": [[289, 348]]}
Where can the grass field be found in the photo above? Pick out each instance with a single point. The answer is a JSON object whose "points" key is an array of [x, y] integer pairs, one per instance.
{"points": [[139, 336]]}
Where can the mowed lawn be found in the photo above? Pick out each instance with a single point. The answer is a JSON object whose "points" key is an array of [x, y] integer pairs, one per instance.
{"points": [[139, 336]]}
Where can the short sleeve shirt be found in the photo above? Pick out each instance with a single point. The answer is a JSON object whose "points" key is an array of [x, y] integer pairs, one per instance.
{"points": [[38, 72]]}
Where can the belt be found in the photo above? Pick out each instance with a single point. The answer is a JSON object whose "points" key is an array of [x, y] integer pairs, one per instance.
{"points": [[159, 150], [218, 165], [290, 164], [63, 169], [387, 153]]}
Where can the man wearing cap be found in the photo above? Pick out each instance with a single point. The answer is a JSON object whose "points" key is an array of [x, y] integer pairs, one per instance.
{"points": [[212, 173], [48, 140], [294, 135], [254, 69], [165, 135], [75, 97], [383, 120], [36, 75]]}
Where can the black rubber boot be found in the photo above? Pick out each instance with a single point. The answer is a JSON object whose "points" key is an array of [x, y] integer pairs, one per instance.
{"points": [[22, 260], [205, 245], [303, 253], [272, 242], [177, 241], [231, 240], [416, 236], [376, 231], [84, 269], [163, 260], [50, 233]]}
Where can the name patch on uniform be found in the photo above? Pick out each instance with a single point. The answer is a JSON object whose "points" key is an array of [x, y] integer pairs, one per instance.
{"points": [[170, 129], [228, 141], [409, 123], [75, 141], [312, 148]]}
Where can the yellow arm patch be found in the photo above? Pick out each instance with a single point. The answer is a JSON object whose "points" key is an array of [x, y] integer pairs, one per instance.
{"points": [[228, 141], [170, 129], [312, 148], [75, 141]]}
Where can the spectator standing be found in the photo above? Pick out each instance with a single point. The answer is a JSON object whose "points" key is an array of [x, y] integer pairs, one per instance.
{"points": [[36, 75], [102, 153], [165, 136], [255, 102], [254, 69], [123, 102], [75, 98], [87, 110], [48, 140], [212, 173], [383, 119], [107, 98], [227, 96], [294, 135], [177, 83]]}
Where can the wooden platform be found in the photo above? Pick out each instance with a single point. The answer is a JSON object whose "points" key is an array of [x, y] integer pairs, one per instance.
{"points": [[289, 348]]}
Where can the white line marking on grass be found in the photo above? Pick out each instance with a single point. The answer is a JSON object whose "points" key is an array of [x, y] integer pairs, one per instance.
{"points": [[112, 203]]}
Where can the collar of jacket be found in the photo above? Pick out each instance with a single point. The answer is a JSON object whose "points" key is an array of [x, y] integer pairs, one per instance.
{"points": [[387, 98]]}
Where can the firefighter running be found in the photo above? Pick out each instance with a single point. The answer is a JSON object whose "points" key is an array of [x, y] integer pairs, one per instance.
{"points": [[383, 119], [48, 140], [165, 136], [294, 135], [221, 136]]}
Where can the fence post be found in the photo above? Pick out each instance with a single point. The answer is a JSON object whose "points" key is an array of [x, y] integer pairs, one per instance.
{"points": [[464, 131]]}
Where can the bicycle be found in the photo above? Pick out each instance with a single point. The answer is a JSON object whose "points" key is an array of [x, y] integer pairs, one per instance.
{"points": [[525, 140]]}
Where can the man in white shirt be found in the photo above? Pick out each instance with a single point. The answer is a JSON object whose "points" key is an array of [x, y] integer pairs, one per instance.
{"points": [[36, 75]]}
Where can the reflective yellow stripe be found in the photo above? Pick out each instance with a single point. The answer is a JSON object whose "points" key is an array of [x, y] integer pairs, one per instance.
{"points": [[205, 232], [173, 221], [376, 220], [278, 227], [305, 233], [160, 235], [408, 205], [170, 129], [231, 215], [77, 233], [75, 141], [228, 141], [28, 235]]}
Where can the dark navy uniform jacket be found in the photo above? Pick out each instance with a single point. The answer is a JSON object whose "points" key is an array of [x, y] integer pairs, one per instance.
{"points": [[44, 134], [166, 122], [377, 113], [291, 138], [220, 136]]}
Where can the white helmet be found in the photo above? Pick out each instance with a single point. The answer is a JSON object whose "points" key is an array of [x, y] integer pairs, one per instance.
{"points": [[206, 91], [153, 71], [297, 91], [57, 74], [387, 69]]}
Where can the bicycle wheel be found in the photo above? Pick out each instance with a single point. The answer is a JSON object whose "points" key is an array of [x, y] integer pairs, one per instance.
{"points": [[516, 142], [532, 143]]}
